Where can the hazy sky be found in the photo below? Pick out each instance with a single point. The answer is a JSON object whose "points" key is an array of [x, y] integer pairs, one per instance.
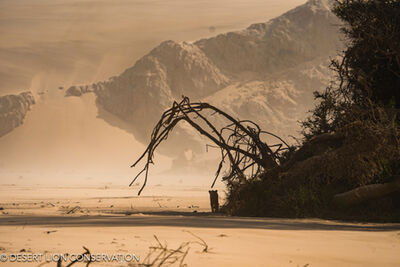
{"points": [[47, 43]]}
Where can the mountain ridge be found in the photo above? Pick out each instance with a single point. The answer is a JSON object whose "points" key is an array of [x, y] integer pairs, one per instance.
{"points": [[279, 43]]}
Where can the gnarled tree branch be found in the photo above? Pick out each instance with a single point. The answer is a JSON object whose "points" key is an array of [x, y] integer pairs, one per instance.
{"points": [[240, 140]]}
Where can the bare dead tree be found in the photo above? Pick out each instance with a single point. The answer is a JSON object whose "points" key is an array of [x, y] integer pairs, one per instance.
{"points": [[240, 141]]}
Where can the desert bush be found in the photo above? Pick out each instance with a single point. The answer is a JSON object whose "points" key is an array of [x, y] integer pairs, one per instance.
{"points": [[351, 137]]}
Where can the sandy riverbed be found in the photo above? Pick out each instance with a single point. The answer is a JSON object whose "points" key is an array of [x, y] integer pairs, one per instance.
{"points": [[116, 221]]}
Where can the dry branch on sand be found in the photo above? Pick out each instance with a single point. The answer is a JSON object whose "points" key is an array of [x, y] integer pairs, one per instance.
{"points": [[73, 210], [201, 242], [161, 255]]}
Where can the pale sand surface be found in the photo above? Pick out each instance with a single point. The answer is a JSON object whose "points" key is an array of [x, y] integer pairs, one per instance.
{"points": [[114, 220]]}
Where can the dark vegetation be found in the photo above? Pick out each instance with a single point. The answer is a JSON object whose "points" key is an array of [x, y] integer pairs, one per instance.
{"points": [[347, 166]]}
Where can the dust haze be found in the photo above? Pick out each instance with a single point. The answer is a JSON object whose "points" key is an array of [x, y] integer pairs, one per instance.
{"points": [[65, 163], [50, 44], [46, 44]]}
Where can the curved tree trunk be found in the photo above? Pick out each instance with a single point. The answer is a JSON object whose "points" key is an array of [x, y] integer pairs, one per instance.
{"points": [[367, 192]]}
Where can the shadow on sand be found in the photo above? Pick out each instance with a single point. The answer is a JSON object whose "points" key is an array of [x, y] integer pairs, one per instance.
{"points": [[190, 219]]}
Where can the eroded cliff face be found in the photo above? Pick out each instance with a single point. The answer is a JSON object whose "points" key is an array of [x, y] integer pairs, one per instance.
{"points": [[266, 73], [300, 35], [13, 109]]}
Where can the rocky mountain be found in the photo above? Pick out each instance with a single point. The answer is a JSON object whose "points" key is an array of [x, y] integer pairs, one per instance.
{"points": [[266, 73], [13, 109], [298, 36]]}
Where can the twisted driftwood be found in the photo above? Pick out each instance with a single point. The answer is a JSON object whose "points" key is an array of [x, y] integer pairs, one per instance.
{"points": [[239, 141], [367, 192]]}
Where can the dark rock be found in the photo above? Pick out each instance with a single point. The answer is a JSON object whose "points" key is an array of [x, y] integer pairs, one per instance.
{"points": [[13, 109]]}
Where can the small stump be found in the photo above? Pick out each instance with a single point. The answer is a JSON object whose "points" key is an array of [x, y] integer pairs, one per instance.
{"points": [[214, 200]]}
